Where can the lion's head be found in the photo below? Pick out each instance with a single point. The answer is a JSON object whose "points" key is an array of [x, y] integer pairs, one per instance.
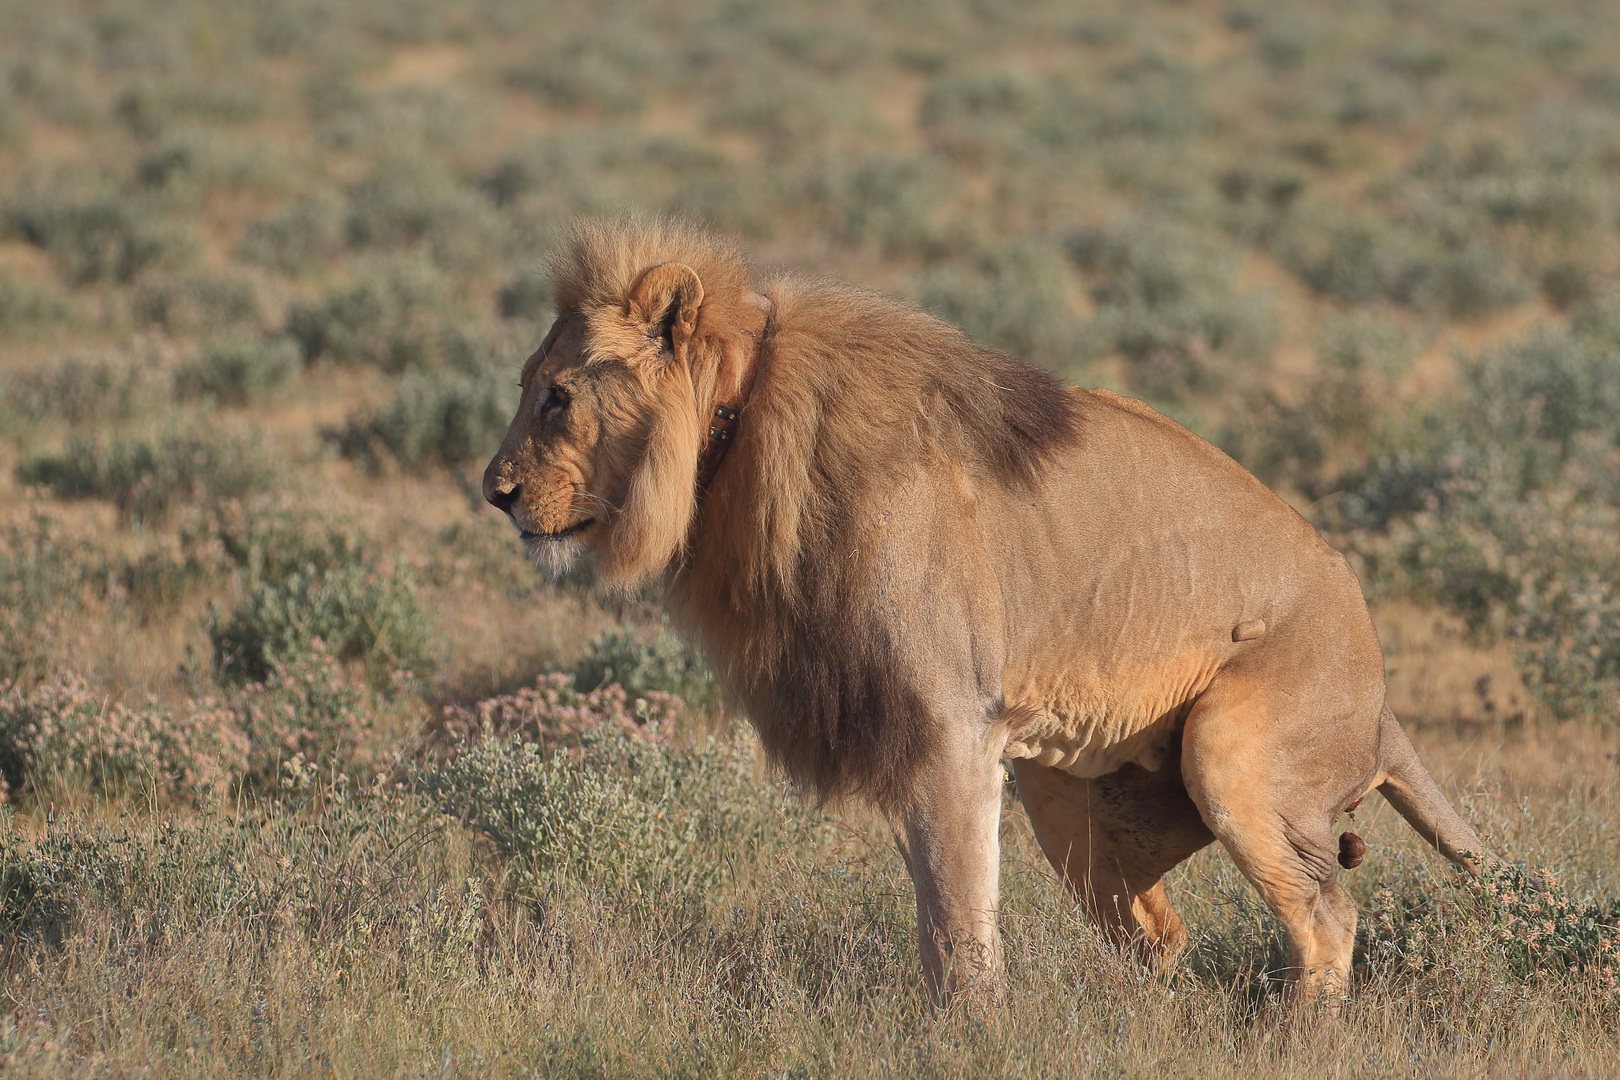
{"points": [[602, 452]]}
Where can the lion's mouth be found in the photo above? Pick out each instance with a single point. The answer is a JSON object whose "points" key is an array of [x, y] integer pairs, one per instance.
{"points": [[561, 534]]}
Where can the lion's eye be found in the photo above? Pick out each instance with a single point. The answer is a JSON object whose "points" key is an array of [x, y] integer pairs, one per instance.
{"points": [[554, 401]]}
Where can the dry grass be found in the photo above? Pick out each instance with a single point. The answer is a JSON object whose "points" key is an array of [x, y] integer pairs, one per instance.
{"points": [[263, 945]]}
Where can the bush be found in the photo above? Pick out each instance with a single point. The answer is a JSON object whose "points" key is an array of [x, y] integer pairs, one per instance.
{"points": [[67, 734], [394, 315], [191, 304], [358, 613], [272, 542], [1013, 297], [100, 237], [526, 296], [152, 106], [610, 68], [1165, 303], [1501, 507], [81, 389], [307, 708], [1566, 285], [1537, 930], [1336, 421], [236, 368], [438, 117], [326, 855], [448, 417], [145, 477], [603, 171], [662, 665], [40, 580], [305, 234], [626, 814], [891, 203], [28, 308], [557, 715], [971, 116], [1548, 387], [411, 201], [1362, 258], [1567, 637]]}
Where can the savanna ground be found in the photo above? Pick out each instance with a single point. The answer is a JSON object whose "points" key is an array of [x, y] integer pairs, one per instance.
{"points": [[308, 772]]}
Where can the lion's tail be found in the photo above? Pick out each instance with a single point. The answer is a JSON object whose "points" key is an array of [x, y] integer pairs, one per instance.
{"points": [[1412, 791]]}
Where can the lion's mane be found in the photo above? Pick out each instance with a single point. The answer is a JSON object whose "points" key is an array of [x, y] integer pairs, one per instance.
{"points": [[854, 392]]}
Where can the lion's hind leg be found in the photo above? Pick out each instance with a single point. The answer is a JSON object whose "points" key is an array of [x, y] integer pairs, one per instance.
{"points": [[1112, 839], [1270, 771]]}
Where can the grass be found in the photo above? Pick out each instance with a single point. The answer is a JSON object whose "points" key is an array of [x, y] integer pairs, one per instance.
{"points": [[268, 273]]}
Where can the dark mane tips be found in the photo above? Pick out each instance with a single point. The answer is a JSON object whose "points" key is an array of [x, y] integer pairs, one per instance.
{"points": [[1018, 416]]}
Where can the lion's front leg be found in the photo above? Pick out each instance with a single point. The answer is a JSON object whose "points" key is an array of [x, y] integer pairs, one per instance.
{"points": [[950, 840]]}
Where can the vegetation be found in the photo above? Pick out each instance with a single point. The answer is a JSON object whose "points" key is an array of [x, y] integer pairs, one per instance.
{"points": [[307, 770]]}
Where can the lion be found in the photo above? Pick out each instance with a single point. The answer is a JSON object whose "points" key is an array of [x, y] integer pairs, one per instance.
{"points": [[911, 559]]}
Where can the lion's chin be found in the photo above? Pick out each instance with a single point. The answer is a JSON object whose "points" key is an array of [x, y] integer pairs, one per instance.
{"points": [[554, 555]]}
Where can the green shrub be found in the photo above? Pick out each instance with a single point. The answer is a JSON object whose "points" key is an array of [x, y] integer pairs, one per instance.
{"points": [[236, 368], [86, 388], [198, 302], [65, 733], [557, 715], [1567, 633], [448, 417], [625, 815], [662, 664], [147, 476], [153, 106], [1012, 115], [1355, 258], [888, 202], [1013, 297], [526, 296], [610, 68], [28, 307], [1165, 302], [409, 201], [54, 79], [327, 854], [357, 612], [307, 708], [41, 576], [1367, 257], [393, 315], [1335, 421], [1566, 285], [1473, 279], [100, 237], [1500, 506], [302, 235], [436, 117], [160, 572], [971, 115], [1537, 930], [270, 542], [1548, 387]]}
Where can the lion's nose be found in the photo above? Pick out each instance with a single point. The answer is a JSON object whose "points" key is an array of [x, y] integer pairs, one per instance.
{"points": [[502, 494]]}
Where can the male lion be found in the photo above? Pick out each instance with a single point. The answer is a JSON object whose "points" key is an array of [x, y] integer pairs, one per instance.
{"points": [[911, 558]]}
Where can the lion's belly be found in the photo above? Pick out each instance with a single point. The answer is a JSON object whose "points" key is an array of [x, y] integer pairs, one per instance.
{"points": [[1093, 723]]}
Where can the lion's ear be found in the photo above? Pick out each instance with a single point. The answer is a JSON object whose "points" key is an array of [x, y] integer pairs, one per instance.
{"points": [[667, 299]]}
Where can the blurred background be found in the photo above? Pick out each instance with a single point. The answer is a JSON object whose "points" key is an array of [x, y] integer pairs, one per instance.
{"points": [[266, 255], [269, 269]]}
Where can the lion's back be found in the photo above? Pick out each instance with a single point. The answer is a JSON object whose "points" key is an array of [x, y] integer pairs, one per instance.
{"points": [[1128, 581]]}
